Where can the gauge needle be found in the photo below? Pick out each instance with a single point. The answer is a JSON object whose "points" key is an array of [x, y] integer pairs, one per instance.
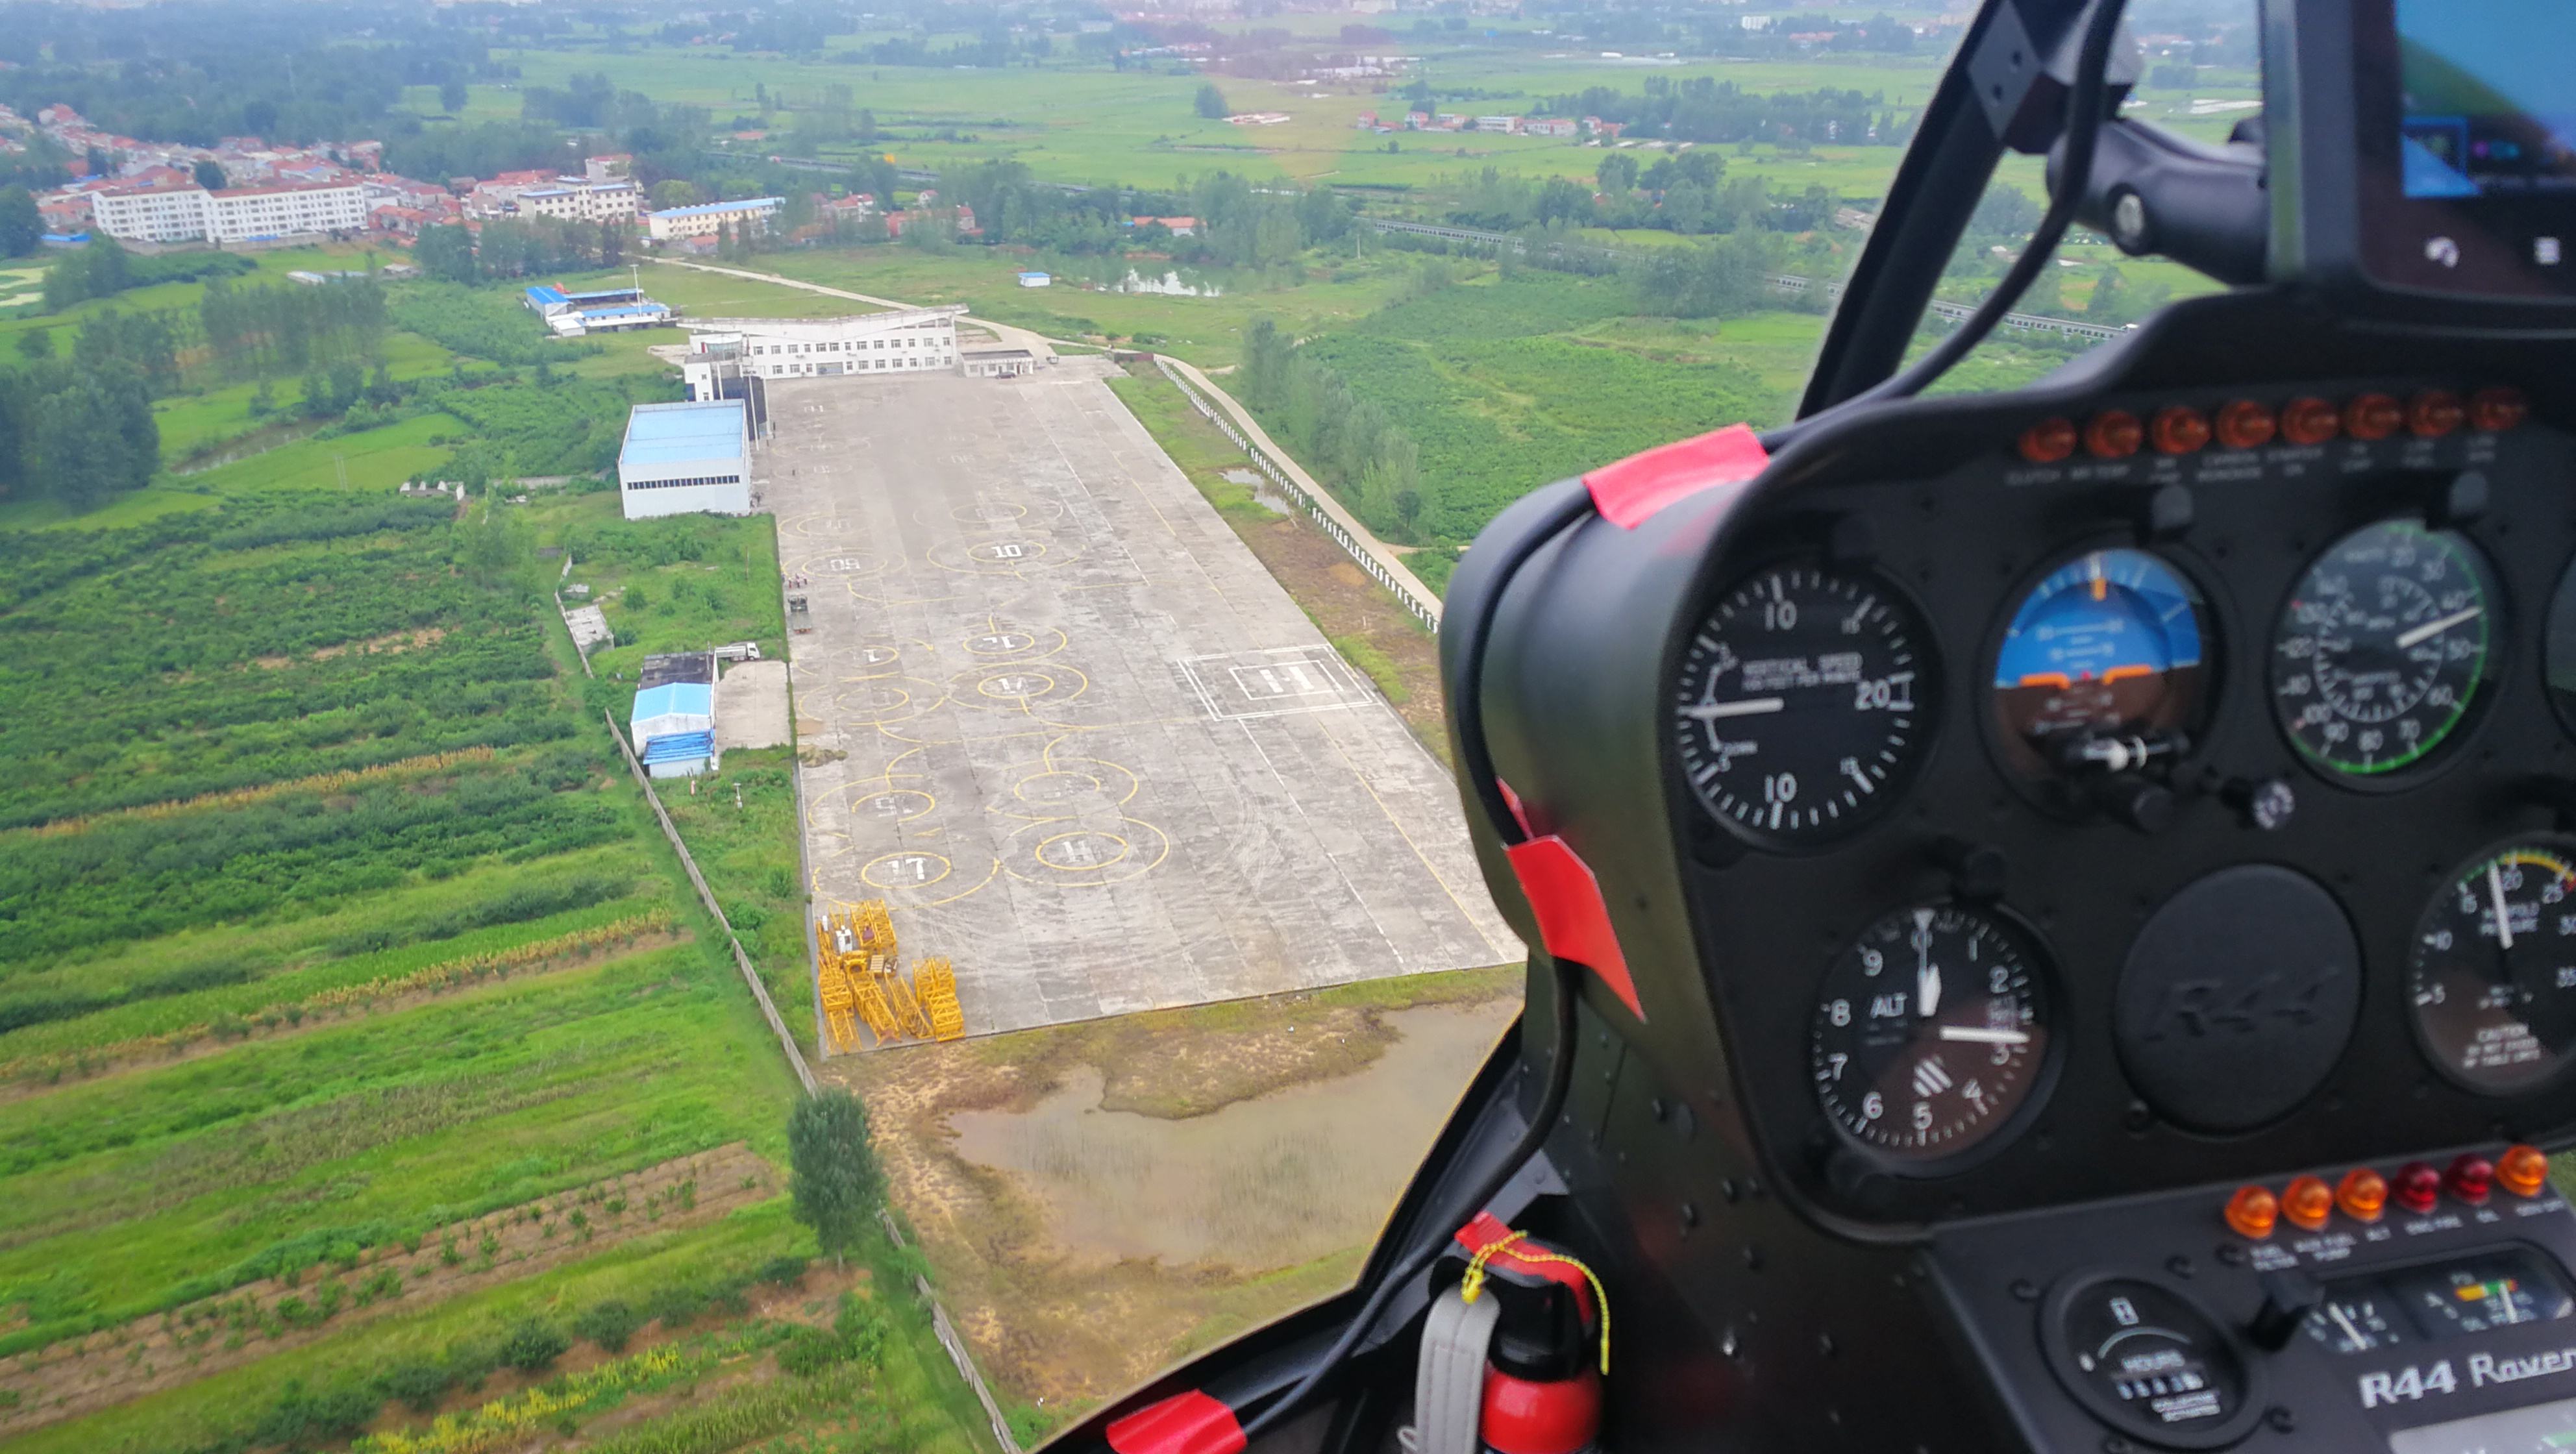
{"points": [[2504, 918], [1973, 1035], [2431, 629], [2335, 1311], [1927, 989], [1749, 707]]}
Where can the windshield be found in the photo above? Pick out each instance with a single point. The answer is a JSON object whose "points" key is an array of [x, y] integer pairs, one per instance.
{"points": [[724, 726]]}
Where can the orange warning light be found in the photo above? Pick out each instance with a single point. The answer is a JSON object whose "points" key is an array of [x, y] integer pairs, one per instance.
{"points": [[2523, 1170], [2307, 1202], [2252, 1211], [2363, 1194]]}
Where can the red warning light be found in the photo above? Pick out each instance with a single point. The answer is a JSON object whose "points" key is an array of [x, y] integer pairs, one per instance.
{"points": [[2470, 1178], [2496, 410], [2246, 425], [2418, 1187], [2114, 435], [2435, 413], [2181, 430], [2373, 416], [2310, 421], [2049, 441]]}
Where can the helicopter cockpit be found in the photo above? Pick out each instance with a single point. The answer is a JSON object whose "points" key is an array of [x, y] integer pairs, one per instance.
{"points": [[2053, 913]]}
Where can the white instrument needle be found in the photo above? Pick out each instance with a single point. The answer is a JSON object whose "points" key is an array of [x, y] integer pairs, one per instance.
{"points": [[1749, 707], [1974, 1036], [2431, 629], [2504, 916]]}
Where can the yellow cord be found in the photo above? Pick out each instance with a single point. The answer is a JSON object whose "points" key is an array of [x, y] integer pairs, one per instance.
{"points": [[1474, 1282]]}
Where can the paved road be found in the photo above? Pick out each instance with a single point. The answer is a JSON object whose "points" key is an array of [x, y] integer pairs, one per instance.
{"points": [[1011, 336]]}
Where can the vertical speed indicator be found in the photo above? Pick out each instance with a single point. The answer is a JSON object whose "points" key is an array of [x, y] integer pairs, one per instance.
{"points": [[1802, 706]]}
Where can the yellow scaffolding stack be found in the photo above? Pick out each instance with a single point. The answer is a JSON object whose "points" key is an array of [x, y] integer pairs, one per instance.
{"points": [[934, 984], [860, 985]]}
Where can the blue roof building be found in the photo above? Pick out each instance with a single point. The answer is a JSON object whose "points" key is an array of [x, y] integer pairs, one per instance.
{"points": [[686, 458], [673, 728]]}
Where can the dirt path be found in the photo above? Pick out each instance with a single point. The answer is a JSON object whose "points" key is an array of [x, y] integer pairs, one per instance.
{"points": [[249, 1323]]}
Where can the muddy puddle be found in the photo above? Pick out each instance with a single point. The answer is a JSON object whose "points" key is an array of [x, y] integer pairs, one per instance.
{"points": [[1263, 491], [1260, 1184]]}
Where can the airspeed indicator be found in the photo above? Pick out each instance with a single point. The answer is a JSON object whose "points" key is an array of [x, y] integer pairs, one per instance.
{"points": [[1802, 704]]}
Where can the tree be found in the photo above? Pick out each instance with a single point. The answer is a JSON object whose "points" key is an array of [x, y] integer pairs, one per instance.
{"points": [[676, 194], [1212, 103], [36, 343], [833, 1174], [211, 176], [451, 95], [446, 253], [21, 228], [1617, 174]]}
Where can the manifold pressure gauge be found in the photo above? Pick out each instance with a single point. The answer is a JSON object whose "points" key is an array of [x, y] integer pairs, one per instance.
{"points": [[1931, 1029], [1802, 707]]}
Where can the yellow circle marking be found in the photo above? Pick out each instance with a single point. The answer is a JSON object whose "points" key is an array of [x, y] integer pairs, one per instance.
{"points": [[1040, 852], [912, 868]]}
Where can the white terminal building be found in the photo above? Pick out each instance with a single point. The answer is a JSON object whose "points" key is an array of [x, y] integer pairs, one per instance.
{"points": [[675, 223], [682, 459], [235, 214], [904, 340]]}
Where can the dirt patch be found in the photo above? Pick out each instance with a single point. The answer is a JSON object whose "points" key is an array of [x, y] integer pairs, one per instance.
{"points": [[1059, 1313], [390, 641], [80, 1376]]}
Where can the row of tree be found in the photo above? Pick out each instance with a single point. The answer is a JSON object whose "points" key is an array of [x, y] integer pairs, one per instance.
{"points": [[80, 431], [1352, 442], [1704, 109]]}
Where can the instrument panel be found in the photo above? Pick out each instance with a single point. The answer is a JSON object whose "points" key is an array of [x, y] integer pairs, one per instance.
{"points": [[2136, 780]]}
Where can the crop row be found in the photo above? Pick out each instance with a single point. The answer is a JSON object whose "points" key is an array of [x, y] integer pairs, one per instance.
{"points": [[446, 975], [127, 880]]}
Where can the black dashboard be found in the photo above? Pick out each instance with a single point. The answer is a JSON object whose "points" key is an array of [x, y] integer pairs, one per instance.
{"points": [[2109, 852], [2144, 779]]}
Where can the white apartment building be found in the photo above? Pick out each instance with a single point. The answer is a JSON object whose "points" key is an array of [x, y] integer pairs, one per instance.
{"points": [[906, 340], [571, 201], [236, 214], [672, 223]]}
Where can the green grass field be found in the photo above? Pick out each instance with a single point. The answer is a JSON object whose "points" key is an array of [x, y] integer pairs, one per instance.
{"points": [[406, 960]]}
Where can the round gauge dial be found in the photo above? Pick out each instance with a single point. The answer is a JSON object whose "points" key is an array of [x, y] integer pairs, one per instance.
{"points": [[2151, 1363], [2103, 663], [2383, 648], [2492, 972], [1930, 1031], [1798, 715], [2356, 1322]]}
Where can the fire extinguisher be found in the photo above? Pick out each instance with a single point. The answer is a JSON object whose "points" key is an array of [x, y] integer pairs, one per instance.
{"points": [[1514, 1351]]}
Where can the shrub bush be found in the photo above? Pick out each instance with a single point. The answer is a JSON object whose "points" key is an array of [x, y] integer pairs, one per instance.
{"points": [[610, 1324], [533, 1345], [415, 1383]]}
